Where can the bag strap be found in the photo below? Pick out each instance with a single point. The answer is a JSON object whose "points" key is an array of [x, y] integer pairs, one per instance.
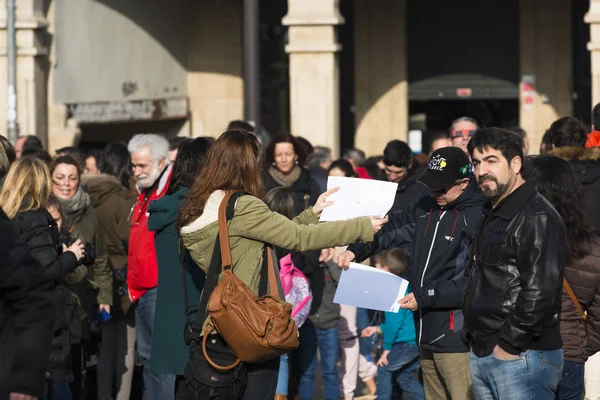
{"points": [[573, 297], [212, 277], [181, 252], [226, 262]]}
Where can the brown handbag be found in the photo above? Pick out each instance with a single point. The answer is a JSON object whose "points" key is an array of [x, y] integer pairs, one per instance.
{"points": [[256, 329]]}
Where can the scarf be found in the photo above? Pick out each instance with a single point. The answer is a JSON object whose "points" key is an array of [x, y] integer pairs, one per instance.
{"points": [[286, 180], [75, 205]]}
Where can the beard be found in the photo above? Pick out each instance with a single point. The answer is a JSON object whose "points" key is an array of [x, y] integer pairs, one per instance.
{"points": [[495, 193], [147, 180]]}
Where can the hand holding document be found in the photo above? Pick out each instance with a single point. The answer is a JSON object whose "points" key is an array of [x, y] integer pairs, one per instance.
{"points": [[358, 198], [370, 288]]}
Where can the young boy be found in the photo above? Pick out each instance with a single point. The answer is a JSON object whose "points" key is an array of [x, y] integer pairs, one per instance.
{"points": [[400, 358]]}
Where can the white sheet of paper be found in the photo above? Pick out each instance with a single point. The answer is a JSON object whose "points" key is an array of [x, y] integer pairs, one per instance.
{"points": [[370, 288], [358, 198]]}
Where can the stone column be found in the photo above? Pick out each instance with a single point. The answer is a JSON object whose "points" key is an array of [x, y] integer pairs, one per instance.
{"points": [[593, 18], [32, 67], [546, 88], [215, 86], [314, 73], [380, 74]]}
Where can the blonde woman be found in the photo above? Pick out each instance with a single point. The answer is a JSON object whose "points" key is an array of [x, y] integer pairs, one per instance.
{"points": [[23, 197]]}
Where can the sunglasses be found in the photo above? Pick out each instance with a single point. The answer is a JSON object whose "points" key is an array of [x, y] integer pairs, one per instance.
{"points": [[442, 191], [463, 133]]}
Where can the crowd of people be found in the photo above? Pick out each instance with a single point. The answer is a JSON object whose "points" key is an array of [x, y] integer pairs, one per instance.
{"points": [[501, 250]]}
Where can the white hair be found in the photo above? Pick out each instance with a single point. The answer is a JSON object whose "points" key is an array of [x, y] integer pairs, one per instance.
{"points": [[158, 146]]}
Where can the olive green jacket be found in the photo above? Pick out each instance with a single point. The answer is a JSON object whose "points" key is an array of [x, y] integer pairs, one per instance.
{"points": [[253, 225], [99, 276]]}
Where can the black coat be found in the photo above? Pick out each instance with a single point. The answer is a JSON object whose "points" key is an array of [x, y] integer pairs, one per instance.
{"points": [[586, 165], [27, 313], [305, 190], [515, 276], [438, 241], [38, 230]]}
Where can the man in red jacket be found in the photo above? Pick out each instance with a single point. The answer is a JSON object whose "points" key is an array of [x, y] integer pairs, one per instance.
{"points": [[152, 172]]}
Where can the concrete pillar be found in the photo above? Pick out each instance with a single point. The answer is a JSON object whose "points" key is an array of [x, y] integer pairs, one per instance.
{"points": [[593, 18], [546, 65], [32, 67], [215, 86], [380, 74], [314, 73]]}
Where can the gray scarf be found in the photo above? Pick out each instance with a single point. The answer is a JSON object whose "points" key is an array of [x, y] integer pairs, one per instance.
{"points": [[80, 201]]}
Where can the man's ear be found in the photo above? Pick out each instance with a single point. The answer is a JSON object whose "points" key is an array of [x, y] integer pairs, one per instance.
{"points": [[162, 164], [516, 164]]}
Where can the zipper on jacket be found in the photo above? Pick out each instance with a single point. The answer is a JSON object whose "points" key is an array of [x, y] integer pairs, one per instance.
{"points": [[437, 225]]}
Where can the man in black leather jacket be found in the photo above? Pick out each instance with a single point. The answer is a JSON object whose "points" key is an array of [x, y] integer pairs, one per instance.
{"points": [[512, 301]]}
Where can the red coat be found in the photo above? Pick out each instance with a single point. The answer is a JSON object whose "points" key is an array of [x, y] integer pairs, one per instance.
{"points": [[142, 267]]}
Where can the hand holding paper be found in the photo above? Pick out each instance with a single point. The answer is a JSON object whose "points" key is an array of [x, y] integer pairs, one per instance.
{"points": [[358, 198]]}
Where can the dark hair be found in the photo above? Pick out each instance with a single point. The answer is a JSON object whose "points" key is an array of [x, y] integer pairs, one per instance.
{"points": [[398, 154], [373, 169], [239, 125], [54, 202], [190, 158], [232, 163], [546, 144], [74, 152], [395, 259], [437, 135], [305, 148], [95, 154], [32, 142], [115, 160], [65, 160], [9, 149], [508, 143], [556, 181], [568, 131], [357, 156], [283, 138], [281, 201], [596, 117], [518, 130], [345, 167], [176, 141], [38, 153]]}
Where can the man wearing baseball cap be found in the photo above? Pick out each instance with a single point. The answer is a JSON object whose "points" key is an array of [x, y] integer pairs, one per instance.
{"points": [[439, 229]]}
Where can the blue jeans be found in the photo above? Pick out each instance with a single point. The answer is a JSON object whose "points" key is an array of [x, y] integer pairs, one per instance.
{"points": [[571, 381], [305, 361], [58, 390], [403, 364], [282, 379], [157, 386], [532, 376]]}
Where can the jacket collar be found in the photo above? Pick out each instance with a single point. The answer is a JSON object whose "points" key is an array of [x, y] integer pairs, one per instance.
{"points": [[513, 203]]}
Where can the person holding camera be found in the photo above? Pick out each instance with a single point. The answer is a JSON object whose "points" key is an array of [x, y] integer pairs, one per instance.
{"points": [[24, 196], [113, 201], [94, 287]]}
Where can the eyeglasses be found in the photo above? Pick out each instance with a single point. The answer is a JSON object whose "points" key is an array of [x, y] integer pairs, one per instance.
{"points": [[463, 132]]}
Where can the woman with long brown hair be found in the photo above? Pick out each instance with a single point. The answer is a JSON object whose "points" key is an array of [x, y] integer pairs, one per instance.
{"points": [[232, 164]]}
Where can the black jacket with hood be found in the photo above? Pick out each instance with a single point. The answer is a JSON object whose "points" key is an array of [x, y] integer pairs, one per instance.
{"points": [[586, 165], [439, 239], [409, 190]]}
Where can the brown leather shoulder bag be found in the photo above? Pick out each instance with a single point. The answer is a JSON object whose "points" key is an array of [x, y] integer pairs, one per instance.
{"points": [[256, 329]]}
